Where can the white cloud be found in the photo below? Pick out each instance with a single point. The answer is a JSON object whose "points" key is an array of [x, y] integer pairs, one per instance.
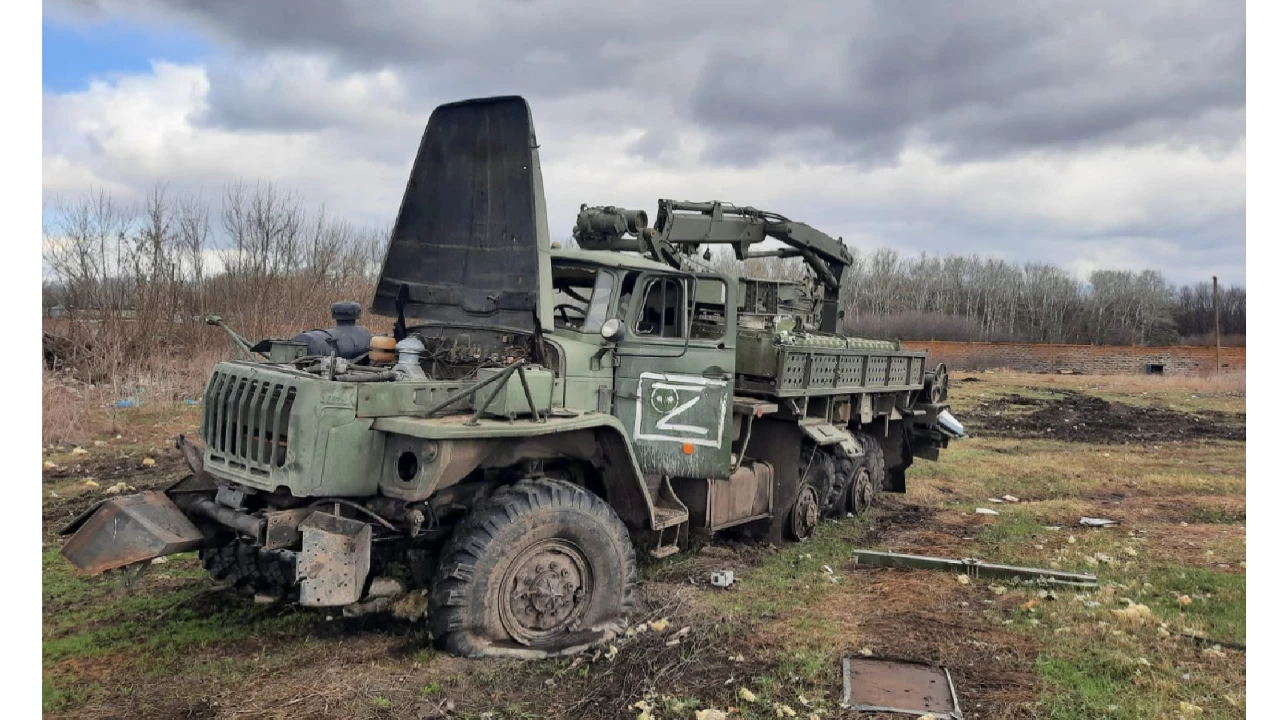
{"points": [[347, 138]]}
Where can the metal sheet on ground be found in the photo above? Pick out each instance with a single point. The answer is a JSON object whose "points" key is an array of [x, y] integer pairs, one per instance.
{"points": [[898, 686]]}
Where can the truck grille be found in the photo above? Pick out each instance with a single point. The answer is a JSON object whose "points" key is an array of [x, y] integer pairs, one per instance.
{"points": [[246, 421]]}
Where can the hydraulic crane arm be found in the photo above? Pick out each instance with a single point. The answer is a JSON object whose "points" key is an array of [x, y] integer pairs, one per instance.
{"points": [[681, 227], [688, 224]]}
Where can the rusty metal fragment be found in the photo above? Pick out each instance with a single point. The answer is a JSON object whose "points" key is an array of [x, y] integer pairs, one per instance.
{"points": [[334, 561], [282, 528], [876, 685], [128, 530]]}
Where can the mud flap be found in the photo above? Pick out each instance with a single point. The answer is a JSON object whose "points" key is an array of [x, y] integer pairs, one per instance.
{"points": [[828, 434], [334, 562], [127, 530]]}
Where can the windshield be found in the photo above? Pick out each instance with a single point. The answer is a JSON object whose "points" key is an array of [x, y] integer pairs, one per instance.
{"points": [[581, 298]]}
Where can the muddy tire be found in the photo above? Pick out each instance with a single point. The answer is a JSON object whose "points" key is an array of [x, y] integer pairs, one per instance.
{"points": [[271, 572], [844, 469], [542, 566], [873, 453], [818, 469]]}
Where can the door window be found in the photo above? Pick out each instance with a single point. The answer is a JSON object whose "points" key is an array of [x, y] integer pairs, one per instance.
{"points": [[661, 312]]}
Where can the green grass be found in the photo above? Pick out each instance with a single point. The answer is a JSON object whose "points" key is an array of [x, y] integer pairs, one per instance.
{"points": [[1218, 600], [147, 629], [1209, 515], [792, 579]]}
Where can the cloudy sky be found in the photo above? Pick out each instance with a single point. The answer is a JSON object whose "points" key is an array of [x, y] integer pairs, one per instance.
{"points": [[1092, 134]]}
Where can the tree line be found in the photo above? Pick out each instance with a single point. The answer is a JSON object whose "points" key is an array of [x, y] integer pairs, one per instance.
{"points": [[888, 293], [140, 275]]}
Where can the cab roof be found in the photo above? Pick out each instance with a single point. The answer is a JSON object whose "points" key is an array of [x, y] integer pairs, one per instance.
{"points": [[609, 258]]}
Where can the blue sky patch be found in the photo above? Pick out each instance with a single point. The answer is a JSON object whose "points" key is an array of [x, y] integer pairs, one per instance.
{"points": [[72, 55]]}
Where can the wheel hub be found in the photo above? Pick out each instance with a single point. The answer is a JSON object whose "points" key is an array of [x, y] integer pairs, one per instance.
{"points": [[804, 516], [860, 492], [546, 591]]}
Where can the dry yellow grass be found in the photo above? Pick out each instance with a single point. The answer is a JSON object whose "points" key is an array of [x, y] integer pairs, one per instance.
{"points": [[76, 412]]}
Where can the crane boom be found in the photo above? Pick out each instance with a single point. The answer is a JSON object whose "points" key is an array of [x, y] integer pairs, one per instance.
{"points": [[681, 227]]}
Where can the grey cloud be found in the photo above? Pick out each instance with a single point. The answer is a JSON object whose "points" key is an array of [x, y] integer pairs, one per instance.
{"points": [[846, 83], [982, 79], [972, 78]]}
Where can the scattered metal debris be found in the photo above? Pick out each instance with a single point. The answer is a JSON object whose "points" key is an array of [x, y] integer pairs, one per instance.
{"points": [[723, 579], [975, 568], [986, 511], [1097, 522], [1203, 640], [897, 686]]}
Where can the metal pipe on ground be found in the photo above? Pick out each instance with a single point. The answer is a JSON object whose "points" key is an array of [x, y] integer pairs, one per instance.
{"points": [[975, 568]]}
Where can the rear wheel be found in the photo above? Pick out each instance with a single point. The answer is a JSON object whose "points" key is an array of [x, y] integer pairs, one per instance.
{"points": [[845, 468], [817, 481], [873, 452], [861, 493], [803, 518], [542, 566]]}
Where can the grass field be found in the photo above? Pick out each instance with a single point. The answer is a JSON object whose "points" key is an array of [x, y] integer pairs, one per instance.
{"points": [[1169, 468]]}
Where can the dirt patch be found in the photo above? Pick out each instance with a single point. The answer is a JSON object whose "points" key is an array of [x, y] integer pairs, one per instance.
{"points": [[925, 616], [105, 470], [896, 518], [921, 530], [1192, 509], [1077, 417], [715, 555], [1193, 545], [394, 674]]}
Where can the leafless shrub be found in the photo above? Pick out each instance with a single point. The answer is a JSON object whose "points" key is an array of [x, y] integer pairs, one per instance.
{"points": [[132, 282]]}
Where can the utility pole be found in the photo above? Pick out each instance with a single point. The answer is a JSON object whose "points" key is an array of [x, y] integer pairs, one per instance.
{"points": [[1217, 334]]}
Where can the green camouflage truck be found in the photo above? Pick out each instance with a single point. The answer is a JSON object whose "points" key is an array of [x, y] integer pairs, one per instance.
{"points": [[539, 416]]}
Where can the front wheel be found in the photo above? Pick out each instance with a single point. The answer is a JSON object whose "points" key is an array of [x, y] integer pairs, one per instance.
{"points": [[250, 568], [541, 568]]}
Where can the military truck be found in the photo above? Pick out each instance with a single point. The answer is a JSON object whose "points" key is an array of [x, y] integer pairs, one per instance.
{"points": [[539, 414]]}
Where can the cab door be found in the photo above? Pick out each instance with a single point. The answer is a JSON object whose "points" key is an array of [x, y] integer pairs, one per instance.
{"points": [[673, 383]]}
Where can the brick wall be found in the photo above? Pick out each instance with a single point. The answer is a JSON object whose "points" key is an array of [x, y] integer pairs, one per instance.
{"points": [[1086, 359]]}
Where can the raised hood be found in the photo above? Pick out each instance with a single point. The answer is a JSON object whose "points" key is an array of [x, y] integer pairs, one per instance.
{"points": [[470, 243]]}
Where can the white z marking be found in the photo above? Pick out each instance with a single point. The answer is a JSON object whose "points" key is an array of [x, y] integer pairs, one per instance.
{"points": [[666, 430], [664, 422]]}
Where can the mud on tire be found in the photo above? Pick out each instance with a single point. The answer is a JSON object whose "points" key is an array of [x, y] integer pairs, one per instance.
{"points": [[537, 567], [873, 453], [250, 568], [837, 498], [818, 468]]}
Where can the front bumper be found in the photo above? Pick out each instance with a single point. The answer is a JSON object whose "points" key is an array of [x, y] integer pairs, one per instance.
{"points": [[128, 530]]}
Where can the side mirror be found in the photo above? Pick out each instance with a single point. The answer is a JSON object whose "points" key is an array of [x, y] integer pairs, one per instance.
{"points": [[611, 330]]}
